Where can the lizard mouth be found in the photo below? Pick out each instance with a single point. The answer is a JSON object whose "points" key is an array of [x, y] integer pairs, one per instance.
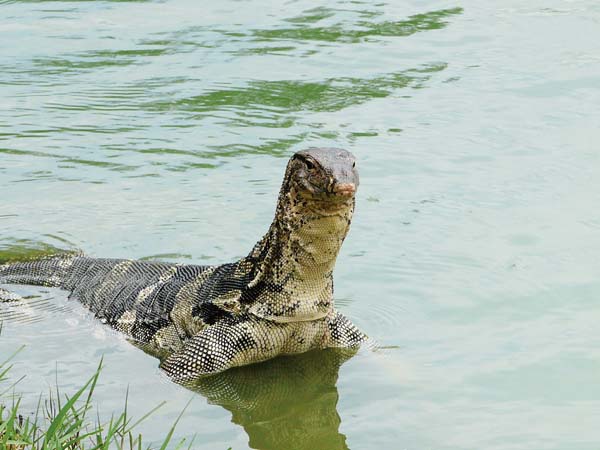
{"points": [[344, 189], [337, 191]]}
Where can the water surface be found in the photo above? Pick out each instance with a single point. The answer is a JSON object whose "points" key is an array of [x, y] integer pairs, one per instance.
{"points": [[161, 130]]}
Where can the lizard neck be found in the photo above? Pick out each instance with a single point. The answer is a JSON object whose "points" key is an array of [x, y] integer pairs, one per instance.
{"points": [[296, 258]]}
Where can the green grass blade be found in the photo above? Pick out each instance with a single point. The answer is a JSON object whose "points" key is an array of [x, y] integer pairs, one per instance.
{"points": [[63, 411], [172, 430]]}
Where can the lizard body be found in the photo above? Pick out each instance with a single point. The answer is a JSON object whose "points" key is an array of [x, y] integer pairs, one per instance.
{"points": [[205, 319]]}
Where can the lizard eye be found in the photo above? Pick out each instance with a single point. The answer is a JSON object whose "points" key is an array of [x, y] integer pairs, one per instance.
{"points": [[309, 165], [354, 164]]}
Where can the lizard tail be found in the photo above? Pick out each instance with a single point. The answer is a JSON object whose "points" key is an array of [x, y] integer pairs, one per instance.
{"points": [[52, 271]]}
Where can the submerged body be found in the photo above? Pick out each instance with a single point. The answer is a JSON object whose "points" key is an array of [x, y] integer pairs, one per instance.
{"points": [[206, 319]]}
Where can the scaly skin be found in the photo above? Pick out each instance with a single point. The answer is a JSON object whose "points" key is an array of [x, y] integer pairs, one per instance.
{"points": [[205, 319]]}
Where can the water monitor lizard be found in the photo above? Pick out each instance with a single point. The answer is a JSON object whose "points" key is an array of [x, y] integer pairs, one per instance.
{"points": [[205, 319]]}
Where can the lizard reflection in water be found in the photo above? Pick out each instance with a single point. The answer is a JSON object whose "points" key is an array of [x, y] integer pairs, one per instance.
{"points": [[205, 319], [284, 403]]}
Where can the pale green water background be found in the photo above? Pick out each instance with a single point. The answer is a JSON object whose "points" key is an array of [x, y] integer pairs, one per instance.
{"points": [[161, 130]]}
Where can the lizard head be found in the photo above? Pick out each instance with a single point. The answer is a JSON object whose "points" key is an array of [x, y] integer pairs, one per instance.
{"points": [[324, 174]]}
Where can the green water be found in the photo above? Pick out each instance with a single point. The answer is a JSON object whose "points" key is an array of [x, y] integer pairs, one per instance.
{"points": [[161, 130]]}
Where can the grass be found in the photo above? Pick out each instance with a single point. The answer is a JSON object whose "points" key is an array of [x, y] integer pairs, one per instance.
{"points": [[63, 423]]}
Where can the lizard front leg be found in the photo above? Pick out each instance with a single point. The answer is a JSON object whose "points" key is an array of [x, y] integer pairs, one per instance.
{"points": [[224, 345], [342, 333], [248, 339]]}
